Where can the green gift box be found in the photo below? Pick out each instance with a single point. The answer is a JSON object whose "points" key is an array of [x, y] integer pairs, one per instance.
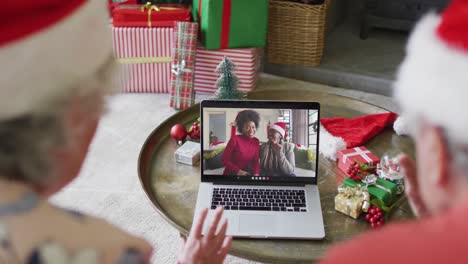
{"points": [[383, 190], [231, 23]]}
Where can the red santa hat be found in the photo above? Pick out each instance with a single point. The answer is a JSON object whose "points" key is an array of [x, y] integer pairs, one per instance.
{"points": [[432, 81], [281, 128], [341, 133], [47, 47]]}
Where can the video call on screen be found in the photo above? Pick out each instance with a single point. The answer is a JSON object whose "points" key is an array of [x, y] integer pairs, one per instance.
{"points": [[259, 143]]}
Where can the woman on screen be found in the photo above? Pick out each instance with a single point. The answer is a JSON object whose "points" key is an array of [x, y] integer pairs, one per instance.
{"points": [[241, 154], [276, 156]]}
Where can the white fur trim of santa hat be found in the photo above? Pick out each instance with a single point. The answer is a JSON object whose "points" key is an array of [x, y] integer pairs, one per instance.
{"points": [[330, 145], [432, 81], [49, 62], [279, 129]]}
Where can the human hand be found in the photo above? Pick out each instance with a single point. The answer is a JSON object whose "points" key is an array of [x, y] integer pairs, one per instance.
{"points": [[211, 248], [243, 173], [412, 186]]}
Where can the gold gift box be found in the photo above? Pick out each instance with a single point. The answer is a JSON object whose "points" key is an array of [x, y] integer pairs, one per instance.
{"points": [[352, 201]]}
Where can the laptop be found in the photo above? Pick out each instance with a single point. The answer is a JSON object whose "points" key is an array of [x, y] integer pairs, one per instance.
{"points": [[264, 195]]}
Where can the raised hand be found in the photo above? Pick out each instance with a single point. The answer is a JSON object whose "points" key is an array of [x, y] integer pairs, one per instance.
{"points": [[412, 186], [211, 248]]}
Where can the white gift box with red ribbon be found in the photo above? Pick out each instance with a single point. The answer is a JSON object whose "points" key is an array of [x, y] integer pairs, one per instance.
{"points": [[357, 154]]}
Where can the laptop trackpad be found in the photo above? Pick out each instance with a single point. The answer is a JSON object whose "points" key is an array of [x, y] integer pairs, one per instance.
{"points": [[256, 224]]}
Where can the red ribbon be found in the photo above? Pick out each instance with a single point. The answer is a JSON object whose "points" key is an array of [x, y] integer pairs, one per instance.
{"points": [[226, 24], [199, 17]]}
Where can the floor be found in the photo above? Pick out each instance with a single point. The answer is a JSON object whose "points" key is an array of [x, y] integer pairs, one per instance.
{"points": [[350, 62]]}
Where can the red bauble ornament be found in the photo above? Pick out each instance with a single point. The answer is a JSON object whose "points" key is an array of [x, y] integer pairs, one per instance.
{"points": [[178, 132]]}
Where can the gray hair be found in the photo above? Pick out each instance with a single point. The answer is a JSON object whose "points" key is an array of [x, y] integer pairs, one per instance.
{"points": [[26, 142]]}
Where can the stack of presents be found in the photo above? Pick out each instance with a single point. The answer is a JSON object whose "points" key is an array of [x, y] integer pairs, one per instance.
{"points": [[174, 46], [369, 185]]}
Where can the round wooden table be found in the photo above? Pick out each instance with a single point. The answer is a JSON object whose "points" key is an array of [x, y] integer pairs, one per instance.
{"points": [[172, 187]]}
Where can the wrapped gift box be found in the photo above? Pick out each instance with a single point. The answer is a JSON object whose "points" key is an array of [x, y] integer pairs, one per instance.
{"points": [[383, 190], [247, 63], [358, 154], [231, 23], [146, 56], [188, 153], [185, 47], [352, 201], [149, 16]]}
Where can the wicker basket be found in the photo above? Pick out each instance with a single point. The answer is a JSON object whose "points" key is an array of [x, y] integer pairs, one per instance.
{"points": [[296, 32]]}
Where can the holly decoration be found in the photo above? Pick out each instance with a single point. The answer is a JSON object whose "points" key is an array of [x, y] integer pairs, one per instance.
{"points": [[179, 133], [194, 131], [357, 171], [375, 216]]}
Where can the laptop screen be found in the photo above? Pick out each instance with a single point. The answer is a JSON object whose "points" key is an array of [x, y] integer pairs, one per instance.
{"points": [[259, 141]]}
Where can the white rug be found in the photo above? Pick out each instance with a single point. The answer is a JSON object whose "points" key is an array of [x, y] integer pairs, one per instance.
{"points": [[108, 185]]}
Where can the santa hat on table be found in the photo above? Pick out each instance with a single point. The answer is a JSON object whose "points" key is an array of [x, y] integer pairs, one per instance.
{"points": [[432, 81], [47, 47], [341, 133], [281, 128]]}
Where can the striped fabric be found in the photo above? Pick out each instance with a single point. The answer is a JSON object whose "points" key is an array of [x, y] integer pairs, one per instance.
{"points": [[145, 55], [183, 64], [247, 63]]}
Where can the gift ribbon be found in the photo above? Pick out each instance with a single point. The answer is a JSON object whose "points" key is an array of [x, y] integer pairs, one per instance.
{"points": [[358, 152], [149, 7], [371, 180], [144, 60], [178, 70], [349, 193], [225, 22]]}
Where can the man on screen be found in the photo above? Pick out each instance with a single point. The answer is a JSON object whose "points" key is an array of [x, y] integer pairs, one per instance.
{"points": [[276, 156]]}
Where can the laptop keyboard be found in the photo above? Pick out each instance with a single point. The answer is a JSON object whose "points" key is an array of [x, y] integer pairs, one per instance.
{"points": [[259, 199]]}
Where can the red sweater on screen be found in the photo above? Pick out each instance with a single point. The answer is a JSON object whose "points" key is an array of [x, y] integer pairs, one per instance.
{"points": [[440, 239], [242, 153]]}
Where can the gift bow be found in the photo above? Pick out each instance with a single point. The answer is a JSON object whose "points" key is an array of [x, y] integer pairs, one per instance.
{"points": [[371, 180], [349, 192], [178, 69], [358, 152], [150, 7]]}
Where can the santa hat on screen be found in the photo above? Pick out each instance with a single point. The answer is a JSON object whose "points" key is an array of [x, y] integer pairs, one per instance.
{"points": [[432, 81], [341, 133], [281, 128], [47, 47]]}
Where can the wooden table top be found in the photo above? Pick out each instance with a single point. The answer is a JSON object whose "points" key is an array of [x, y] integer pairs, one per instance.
{"points": [[172, 187]]}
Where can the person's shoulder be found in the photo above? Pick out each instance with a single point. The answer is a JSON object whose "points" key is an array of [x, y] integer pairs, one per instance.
{"points": [[398, 241], [289, 146], [64, 231]]}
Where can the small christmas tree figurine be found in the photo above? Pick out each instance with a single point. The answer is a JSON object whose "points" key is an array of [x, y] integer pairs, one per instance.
{"points": [[228, 81]]}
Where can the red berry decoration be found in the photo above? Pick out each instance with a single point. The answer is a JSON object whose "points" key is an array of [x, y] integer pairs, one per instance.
{"points": [[375, 216], [179, 133], [194, 132]]}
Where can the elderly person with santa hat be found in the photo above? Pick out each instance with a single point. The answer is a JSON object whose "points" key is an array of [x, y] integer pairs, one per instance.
{"points": [[276, 155], [431, 88], [56, 63]]}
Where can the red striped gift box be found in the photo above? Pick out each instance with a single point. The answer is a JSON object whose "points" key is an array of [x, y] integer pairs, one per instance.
{"points": [[146, 56], [247, 63]]}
